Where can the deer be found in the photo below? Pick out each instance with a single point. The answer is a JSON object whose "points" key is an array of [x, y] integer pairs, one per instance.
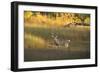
{"points": [[59, 42]]}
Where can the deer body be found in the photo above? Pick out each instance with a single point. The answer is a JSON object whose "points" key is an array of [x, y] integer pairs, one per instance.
{"points": [[58, 42]]}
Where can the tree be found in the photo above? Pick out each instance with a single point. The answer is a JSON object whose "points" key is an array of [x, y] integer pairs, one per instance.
{"points": [[27, 14], [82, 17]]}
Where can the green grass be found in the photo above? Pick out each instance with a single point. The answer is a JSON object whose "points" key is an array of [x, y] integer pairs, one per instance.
{"points": [[79, 46]]}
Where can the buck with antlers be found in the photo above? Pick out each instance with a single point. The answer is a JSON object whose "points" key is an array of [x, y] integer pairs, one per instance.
{"points": [[59, 42]]}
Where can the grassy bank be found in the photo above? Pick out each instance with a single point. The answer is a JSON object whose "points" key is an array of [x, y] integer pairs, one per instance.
{"points": [[39, 45]]}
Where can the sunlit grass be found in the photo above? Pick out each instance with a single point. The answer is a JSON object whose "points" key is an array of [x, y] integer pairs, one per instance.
{"points": [[41, 37], [39, 45], [32, 41]]}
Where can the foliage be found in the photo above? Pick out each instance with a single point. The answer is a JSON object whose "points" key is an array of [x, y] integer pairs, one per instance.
{"points": [[27, 14], [54, 19]]}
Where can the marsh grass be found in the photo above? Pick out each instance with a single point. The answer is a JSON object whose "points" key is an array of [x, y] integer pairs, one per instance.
{"points": [[39, 45]]}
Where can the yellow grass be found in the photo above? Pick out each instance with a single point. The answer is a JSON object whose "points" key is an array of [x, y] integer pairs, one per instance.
{"points": [[34, 41]]}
